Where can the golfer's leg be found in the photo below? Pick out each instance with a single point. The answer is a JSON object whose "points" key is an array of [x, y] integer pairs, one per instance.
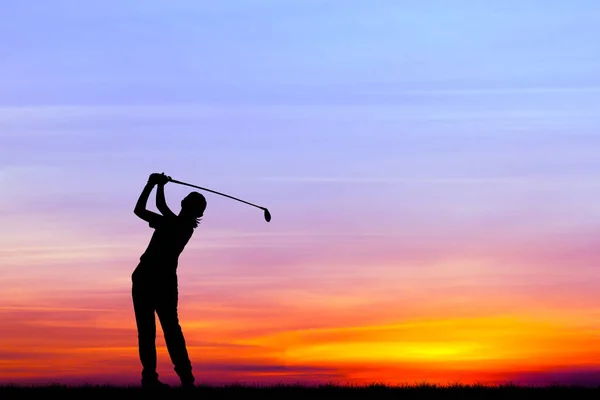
{"points": [[143, 305], [167, 314]]}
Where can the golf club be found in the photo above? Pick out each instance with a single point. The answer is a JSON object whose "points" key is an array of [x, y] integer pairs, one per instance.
{"points": [[267, 213]]}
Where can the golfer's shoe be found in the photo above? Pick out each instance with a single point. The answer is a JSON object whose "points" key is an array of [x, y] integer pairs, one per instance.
{"points": [[154, 384]]}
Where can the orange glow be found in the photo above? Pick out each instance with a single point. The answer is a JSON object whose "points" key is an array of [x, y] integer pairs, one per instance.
{"points": [[468, 319], [440, 350]]}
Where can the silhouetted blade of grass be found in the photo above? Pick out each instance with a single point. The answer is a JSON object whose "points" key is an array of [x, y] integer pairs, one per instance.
{"points": [[298, 392]]}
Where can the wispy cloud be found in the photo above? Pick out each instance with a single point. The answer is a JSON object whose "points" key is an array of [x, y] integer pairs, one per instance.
{"points": [[402, 111], [531, 183], [52, 309], [481, 91]]}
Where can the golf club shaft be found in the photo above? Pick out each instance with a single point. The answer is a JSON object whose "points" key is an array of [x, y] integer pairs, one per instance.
{"points": [[215, 192]]}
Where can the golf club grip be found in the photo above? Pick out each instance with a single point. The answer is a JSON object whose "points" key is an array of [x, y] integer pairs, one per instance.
{"points": [[215, 192]]}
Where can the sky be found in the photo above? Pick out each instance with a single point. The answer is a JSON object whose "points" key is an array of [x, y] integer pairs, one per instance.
{"points": [[431, 169]]}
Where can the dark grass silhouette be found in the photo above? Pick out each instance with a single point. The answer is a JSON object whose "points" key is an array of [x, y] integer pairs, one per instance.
{"points": [[292, 392]]}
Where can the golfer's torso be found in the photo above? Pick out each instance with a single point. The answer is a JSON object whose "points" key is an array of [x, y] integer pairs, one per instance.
{"points": [[166, 244]]}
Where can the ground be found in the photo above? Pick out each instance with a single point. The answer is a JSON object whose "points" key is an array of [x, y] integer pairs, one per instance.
{"points": [[291, 392]]}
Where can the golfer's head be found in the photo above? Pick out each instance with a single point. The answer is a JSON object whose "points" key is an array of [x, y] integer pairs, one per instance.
{"points": [[194, 204]]}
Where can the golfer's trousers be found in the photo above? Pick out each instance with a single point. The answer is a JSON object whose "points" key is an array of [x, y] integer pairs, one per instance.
{"points": [[159, 294]]}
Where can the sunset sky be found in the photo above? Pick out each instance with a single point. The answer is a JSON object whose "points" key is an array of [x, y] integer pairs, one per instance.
{"points": [[431, 168]]}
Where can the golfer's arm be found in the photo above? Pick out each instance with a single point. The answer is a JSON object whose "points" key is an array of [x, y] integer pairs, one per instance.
{"points": [[161, 203], [140, 207]]}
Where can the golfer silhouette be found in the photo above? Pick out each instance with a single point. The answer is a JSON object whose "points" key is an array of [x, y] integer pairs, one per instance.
{"points": [[154, 281]]}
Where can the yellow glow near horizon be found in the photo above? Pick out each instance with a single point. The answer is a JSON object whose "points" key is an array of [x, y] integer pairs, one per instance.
{"points": [[490, 340]]}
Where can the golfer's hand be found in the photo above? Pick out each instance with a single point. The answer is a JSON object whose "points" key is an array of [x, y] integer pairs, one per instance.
{"points": [[152, 179], [158, 179], [161, 179]]}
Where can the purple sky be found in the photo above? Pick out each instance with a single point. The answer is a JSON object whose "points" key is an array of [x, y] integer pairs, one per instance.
{"points": [[450, 148]]}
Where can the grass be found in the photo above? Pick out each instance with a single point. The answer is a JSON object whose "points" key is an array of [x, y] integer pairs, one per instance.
{"points": [[292, 392]]}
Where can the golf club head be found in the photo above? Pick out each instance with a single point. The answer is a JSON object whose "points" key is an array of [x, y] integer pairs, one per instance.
{"points": [[267, 215]]}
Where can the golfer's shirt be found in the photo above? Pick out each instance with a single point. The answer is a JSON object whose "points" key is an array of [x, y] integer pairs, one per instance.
{"points": [[170, 236]]}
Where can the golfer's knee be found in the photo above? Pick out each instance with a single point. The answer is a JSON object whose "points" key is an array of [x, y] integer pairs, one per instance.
{"points": [[146, 337], [173, 330], [173, 327], [168, 317], [146, 345]]}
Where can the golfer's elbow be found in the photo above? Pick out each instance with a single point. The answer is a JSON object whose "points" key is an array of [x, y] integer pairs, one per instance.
{"points": [[163, 208], [139, 211]]}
